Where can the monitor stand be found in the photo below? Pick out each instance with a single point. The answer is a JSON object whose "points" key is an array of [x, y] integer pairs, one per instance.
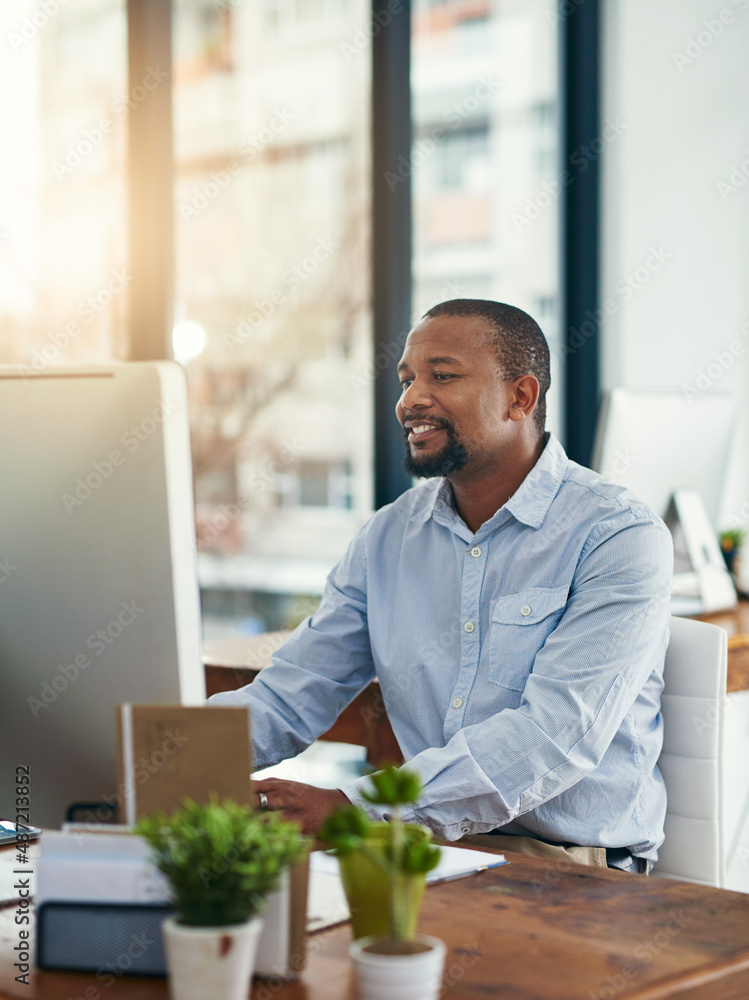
{"points": [[702, 582]]}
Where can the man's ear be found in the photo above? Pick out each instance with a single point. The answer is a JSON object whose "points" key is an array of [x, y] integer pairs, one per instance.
{"points": [[526, 390]]}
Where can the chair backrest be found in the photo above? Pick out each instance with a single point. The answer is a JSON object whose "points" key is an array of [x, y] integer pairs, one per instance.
{"points": [[693, 705]]}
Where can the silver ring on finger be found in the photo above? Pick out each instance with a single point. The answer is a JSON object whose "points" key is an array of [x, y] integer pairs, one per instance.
{"points": [[264, 807]]}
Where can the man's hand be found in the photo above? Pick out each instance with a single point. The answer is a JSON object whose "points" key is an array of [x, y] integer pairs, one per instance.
{"points": [[304, 804]]}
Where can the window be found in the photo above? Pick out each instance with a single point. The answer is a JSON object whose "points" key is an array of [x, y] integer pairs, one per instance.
{"points": [[272, 209], [317, 484], [484, 86], [544, 139], [63, 274]]}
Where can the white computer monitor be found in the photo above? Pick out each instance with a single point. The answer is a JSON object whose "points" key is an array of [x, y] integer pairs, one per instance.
{"points": [[99, 597], [657, 441], [672, 449]]}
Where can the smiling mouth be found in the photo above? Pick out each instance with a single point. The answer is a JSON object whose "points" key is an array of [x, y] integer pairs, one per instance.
{"points": [[420, 431]]}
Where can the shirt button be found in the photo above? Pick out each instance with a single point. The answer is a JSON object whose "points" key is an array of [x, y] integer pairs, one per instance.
{"points": [[526, 610], [457, 702], [465, 829], [469, 626], [475, 552]]}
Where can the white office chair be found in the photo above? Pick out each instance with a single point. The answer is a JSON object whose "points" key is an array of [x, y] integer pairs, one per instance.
{"points": [[693, 704]]}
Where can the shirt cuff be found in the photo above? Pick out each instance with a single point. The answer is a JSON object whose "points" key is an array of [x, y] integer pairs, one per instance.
{"points": [[353, 790]]}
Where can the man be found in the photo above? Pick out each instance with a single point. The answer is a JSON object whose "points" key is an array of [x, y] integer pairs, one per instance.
{"points": [[515, 612]]}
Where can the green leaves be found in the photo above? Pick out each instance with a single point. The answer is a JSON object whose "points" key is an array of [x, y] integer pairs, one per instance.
{"points": [[394, 786], [402, 852], [221, 859], [420, 857], [346, 828]]}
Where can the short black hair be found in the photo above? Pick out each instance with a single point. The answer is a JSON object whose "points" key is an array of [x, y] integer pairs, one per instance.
{"points": [[519, 344]]}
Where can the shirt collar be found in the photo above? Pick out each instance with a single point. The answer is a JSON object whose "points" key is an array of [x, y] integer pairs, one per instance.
{"points": [[528, 504], [532, 499]]}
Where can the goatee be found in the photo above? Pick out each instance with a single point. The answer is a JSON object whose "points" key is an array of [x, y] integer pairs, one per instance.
{"points": [[451, 457]]}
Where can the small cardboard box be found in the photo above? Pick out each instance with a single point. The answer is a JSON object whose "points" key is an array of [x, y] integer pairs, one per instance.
{"points": [[168, 752]]}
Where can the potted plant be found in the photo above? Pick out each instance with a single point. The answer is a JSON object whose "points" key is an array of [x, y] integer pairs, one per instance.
{"points": [[731, 541], [221, 861], [383, 869]]}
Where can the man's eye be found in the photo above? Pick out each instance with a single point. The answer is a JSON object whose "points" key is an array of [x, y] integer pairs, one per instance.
{"points": [[405, 382], [443, 376]]}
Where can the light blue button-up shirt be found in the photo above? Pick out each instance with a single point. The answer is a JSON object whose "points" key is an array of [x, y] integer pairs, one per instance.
{"points": [[521, 666]]}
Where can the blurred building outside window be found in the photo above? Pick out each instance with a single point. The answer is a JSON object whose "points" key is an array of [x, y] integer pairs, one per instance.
{"points": [[484, 82], [272, 215]]}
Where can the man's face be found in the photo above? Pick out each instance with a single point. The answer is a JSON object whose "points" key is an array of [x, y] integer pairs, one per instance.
{"points": [[454, 408]]}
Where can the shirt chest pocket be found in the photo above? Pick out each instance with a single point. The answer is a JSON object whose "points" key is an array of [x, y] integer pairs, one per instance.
{"points": [[520, 625]]}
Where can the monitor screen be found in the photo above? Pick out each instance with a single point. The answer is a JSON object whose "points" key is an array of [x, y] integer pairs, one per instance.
{"points": [[658, 441], [99, 598]]}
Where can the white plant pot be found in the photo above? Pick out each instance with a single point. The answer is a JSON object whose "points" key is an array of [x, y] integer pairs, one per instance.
{"points": [[399, 977], [210, 962]]}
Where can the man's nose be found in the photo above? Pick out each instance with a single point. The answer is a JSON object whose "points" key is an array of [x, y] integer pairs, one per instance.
{"points": [[416, 395]]}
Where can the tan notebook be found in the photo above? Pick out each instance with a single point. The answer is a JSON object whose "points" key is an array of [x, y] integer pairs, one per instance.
{"points": [[167, 752]]}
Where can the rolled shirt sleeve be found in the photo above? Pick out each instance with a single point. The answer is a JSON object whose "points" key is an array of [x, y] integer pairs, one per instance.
{"points": [[323, 665]]}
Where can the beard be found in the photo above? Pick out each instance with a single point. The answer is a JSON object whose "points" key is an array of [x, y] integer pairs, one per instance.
{"points": [[451, 457]]}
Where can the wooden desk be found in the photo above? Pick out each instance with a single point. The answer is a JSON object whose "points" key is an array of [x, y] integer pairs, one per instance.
{"points": [[736, 623], [532, 930]]}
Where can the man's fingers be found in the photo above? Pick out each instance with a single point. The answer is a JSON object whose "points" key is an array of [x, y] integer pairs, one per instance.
{"points": [[272, 793], [280, 795]]}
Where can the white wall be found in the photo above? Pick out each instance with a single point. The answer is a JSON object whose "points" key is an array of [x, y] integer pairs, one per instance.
{"points": [[681, 88]]}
